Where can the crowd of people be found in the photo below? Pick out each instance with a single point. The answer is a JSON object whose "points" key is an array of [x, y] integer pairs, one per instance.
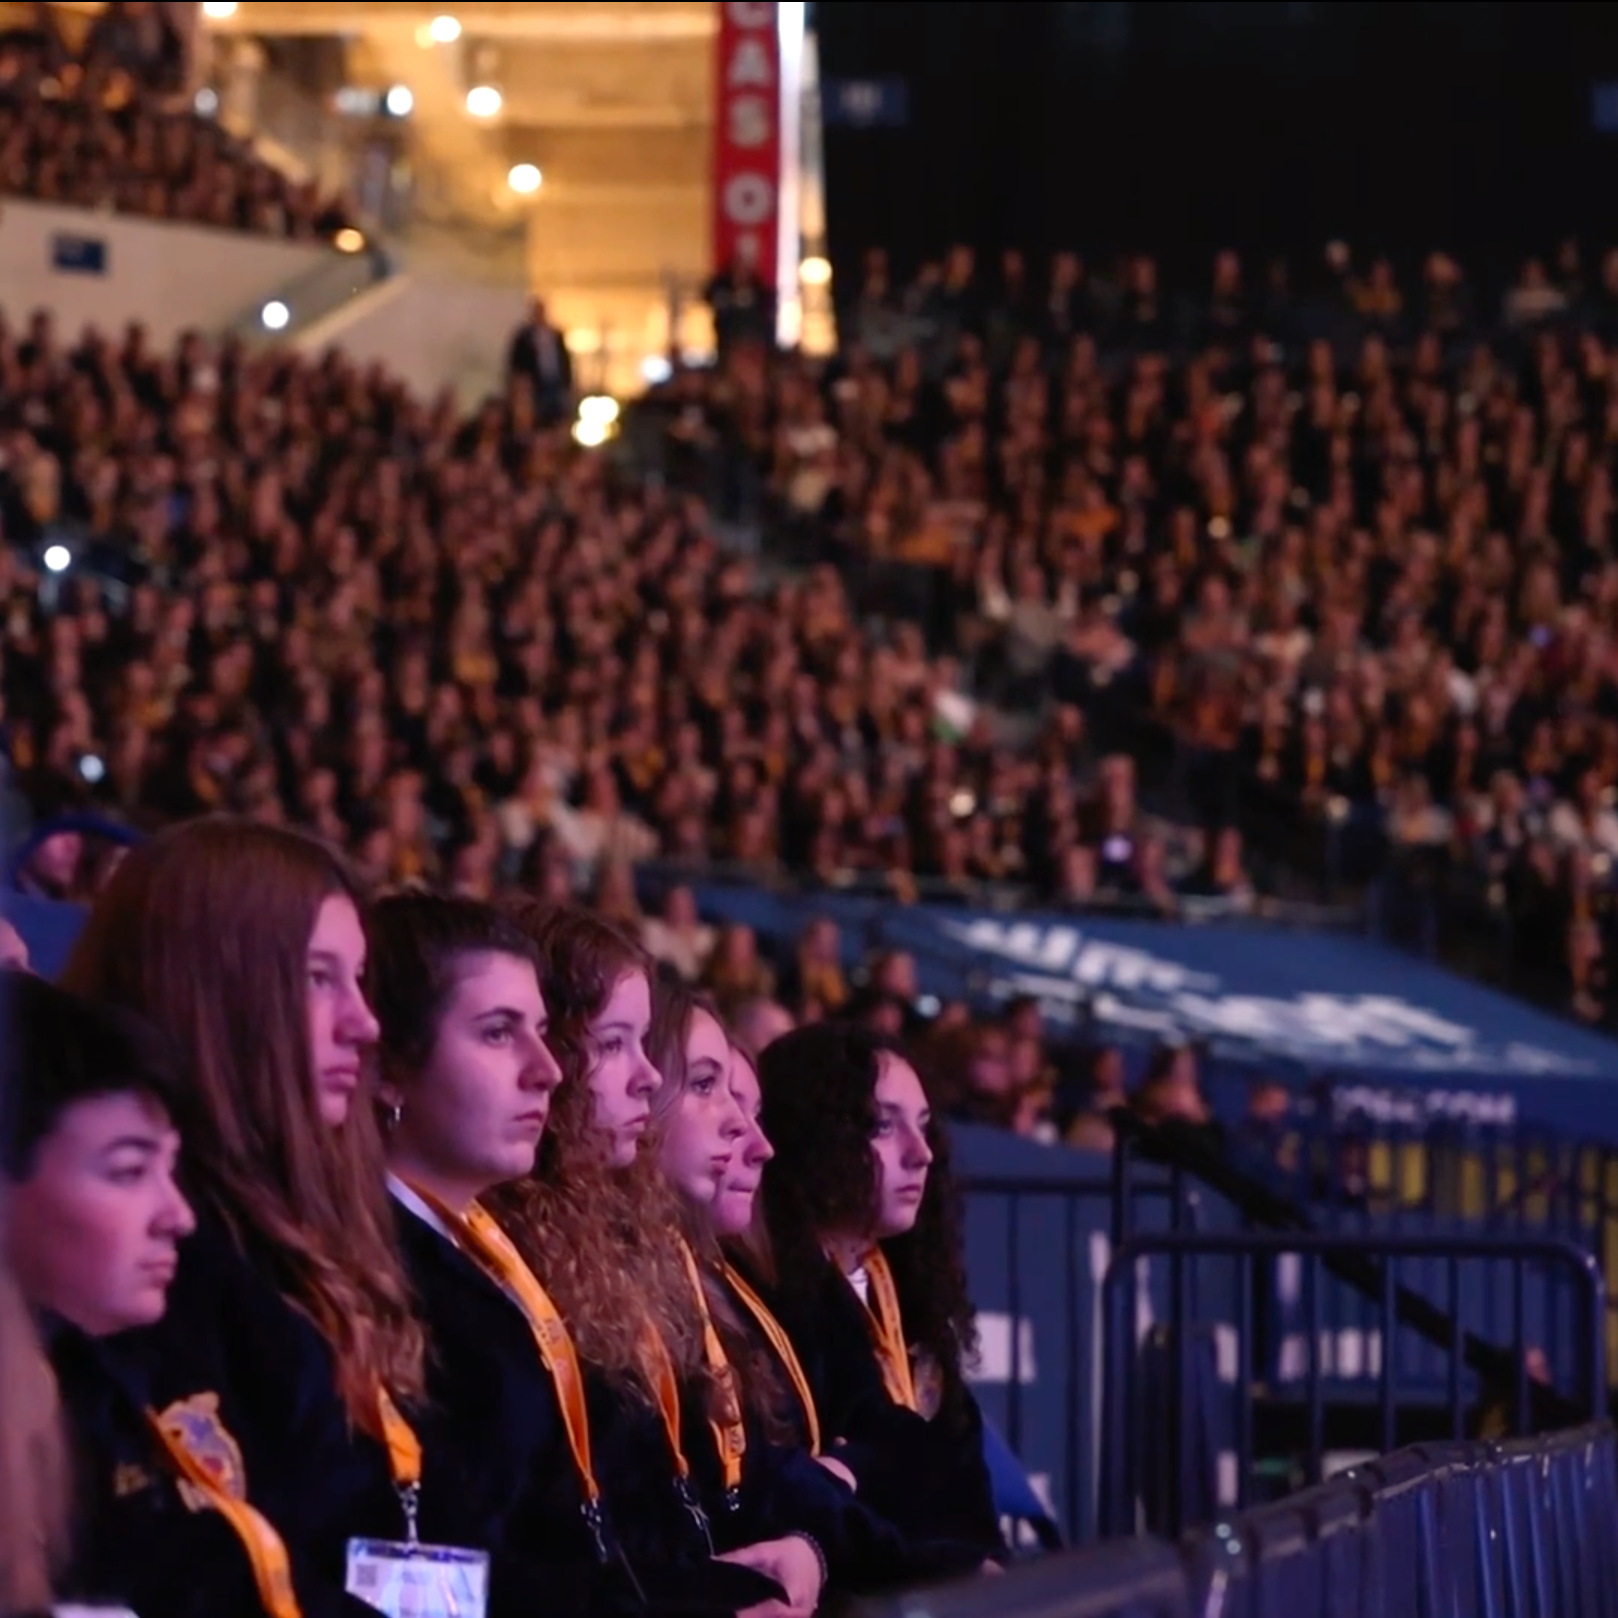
{"points": [[1347, 548], [109, 126], [466, 650], [425, 1255]]}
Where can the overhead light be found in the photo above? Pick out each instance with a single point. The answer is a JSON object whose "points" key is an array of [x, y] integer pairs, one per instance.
{"points": [[590, 434], [815, 272], [58, 558], [349, 240], [444, 30], [483, 101], [599, 407], [525, 179], [275, 315], [655, 370], [399, 102], [205, 103], [218, 10]]}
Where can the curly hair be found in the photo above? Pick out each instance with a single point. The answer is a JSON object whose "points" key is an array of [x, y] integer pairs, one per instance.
{"points": [[596, 1235], [675, 1008], [204, 930], [820, 1113]]}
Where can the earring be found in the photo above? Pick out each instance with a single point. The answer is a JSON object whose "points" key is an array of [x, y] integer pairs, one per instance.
{"points": [[394, 1114]]}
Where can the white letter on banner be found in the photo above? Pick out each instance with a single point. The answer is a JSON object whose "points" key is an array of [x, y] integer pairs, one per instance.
{"points": [[750, 14], [749, 122], [1424, 1024], [749, 199], [752, 66]]}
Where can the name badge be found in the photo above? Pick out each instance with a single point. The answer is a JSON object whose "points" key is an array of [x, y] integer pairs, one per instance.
{"points": [[418, 1581]]}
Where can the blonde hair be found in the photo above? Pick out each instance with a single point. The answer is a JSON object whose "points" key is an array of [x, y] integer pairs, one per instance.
{"points": [[33, 1461]]}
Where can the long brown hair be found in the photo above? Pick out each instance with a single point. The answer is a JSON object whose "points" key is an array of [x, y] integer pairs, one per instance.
{"points": [[675, 1008], [204, 929], [596, 1235], [33, 1465]]}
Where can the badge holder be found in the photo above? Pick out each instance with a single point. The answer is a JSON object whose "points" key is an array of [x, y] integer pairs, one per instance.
{"points": [[411, 1580]]}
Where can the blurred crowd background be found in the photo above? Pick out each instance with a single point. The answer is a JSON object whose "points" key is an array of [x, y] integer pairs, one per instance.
{"points": [[1286, 588]]}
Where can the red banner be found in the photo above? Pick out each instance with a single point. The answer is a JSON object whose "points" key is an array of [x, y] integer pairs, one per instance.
{"points": [[747, 136]]}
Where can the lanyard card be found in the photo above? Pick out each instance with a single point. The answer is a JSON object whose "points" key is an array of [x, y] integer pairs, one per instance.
{"points": [[418, 1581]]}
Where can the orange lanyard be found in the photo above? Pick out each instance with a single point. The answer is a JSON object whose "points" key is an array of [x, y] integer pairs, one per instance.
{"points": [[480, 1237], [888, 1328], [775, 1334], [730, 1434], [404, 1457], [668, 1406], [272, 1568]]}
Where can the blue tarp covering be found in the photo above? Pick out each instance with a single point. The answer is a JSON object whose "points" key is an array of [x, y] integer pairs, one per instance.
{"points": [[1308, 1005]]}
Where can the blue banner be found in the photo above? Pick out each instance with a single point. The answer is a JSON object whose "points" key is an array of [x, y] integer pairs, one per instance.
{"points": [[1410, 1038]]}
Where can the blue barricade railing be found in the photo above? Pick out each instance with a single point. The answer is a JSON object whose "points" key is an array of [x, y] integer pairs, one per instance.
{"points": [[1037, 1247], [1188, 1397], [1452, 1530]]}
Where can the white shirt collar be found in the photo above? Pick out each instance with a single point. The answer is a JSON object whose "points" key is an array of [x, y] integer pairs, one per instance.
{"points": [[402, 1194]]}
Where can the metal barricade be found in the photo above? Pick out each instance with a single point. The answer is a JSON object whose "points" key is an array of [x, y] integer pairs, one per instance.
{"points": [[1362, 1256], [1037, 1249]]}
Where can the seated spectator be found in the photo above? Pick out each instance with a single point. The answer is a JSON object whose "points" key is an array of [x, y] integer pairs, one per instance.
{"points": [[103, 132], [95, 1219], [757, 1022], [677, 936]]}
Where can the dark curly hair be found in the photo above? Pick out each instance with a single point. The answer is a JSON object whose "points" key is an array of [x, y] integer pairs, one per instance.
{"points": [[820, 1114]]}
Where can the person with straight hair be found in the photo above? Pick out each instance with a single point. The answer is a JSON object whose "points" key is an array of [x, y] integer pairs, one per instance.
{"points": [[244, 944], [859, 1256]]}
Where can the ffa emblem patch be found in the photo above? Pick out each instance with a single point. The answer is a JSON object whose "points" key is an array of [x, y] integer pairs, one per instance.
{"points": [[195, 1425]]}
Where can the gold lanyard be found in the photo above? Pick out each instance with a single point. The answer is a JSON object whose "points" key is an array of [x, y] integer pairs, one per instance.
{"points": [[729, 1434], [478, 1234], [888, 1329], [404, 1457], [775, 1334], [272, 1567]]}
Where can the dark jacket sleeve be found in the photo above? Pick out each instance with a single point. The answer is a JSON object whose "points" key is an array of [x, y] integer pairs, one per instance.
{"points": [[786, 1490]]}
